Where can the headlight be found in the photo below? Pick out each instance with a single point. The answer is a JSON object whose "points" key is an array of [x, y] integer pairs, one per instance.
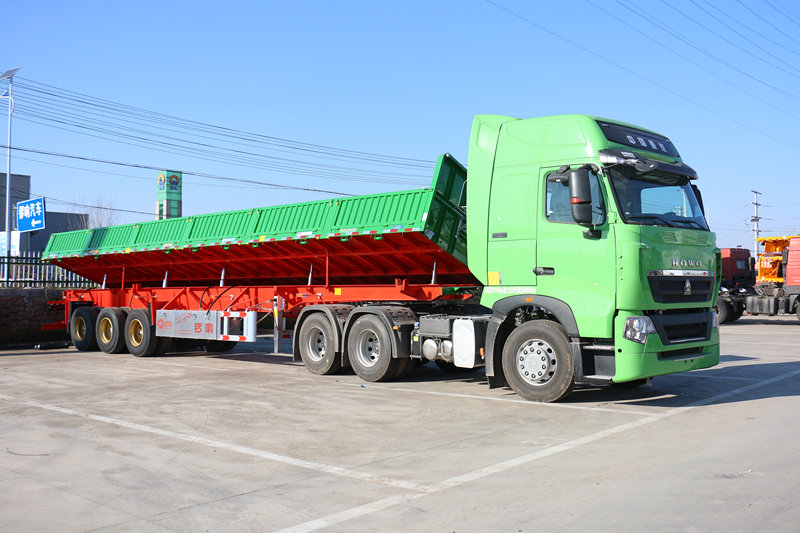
{"points": [[637, 328], [714, 318]]}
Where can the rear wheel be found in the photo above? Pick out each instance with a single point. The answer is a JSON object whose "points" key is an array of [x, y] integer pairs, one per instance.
{"points": [[404, 367], [110, 328], [370, 350], [724, 311], [317, 347], [537, 362], [140, 334], [82, 326]]}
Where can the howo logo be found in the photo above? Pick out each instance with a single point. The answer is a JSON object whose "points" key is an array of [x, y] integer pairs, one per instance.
{"points": [[687, 263]]}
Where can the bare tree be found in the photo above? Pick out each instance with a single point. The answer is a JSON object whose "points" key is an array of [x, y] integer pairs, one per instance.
{"points": [[100, 212]]}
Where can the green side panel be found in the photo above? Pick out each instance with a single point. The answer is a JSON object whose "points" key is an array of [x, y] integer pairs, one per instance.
{"points": [[153, 234], [71, 240], [436, 211], [211, 228], [482, 149], [114, 237]]}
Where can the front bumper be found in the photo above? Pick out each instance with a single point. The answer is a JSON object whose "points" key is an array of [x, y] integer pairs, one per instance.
{"points": [[657, 357]]}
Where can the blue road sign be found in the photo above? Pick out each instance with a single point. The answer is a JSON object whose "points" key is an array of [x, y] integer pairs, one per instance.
{"points": [[30, 215]]}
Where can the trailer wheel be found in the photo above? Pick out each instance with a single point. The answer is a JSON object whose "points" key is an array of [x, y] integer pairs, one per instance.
{"points": [[82, 326], [537, 362], [370, 350], [110, 329], [317, 347], [724, 311], [140, 334]]}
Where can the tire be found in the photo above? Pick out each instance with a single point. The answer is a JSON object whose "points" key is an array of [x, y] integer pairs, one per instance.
{"points": [[403, 367], [82, 326], [738, 311], [537, 362], [111, 330], [219, 346], [369, 349], [140, 333], [316, 345], [797, 309], [724, 311], [163, 346]]}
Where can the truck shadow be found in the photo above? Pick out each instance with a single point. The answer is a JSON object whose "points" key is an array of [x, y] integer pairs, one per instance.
{"points": [[779, 320], [714, 386]]}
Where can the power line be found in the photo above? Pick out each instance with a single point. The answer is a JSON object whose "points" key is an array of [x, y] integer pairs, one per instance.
{"points": [[748, 27], [782, 13], [132, 113], [732, 43], [768, 23], [676, 35], [186, 172], [641, 77], [696, 64]]}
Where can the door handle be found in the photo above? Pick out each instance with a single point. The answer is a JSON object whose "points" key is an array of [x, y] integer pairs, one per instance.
{"points": [[544, 271]]}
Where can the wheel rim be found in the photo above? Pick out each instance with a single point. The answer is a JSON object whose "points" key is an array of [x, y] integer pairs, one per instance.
{"points": [[368, 348], [316, 344], [79, 327], [106, 330], [536, 362], [136, 333]]}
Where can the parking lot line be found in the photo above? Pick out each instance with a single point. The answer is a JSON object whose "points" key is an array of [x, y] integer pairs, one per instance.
{"points": [[384, 503], [309, 465], [513, 400]]}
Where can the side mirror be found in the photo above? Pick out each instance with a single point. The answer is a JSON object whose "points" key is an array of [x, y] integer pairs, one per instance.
{"points": [[580, 196]]}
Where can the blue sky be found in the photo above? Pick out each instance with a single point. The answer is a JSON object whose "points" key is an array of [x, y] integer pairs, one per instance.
{"points": [[401, 80]]}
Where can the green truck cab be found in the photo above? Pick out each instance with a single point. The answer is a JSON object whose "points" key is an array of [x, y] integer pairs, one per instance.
{"points": [[590, 240]]}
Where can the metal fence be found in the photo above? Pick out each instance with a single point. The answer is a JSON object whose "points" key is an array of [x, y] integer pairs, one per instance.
{"points": [[28, 270]]}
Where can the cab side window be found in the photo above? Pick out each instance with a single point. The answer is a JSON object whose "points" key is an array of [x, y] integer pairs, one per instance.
{"points": [[558, 208]]}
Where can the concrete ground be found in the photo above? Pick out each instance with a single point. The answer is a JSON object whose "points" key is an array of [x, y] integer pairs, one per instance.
{"points": [[251, 441]]}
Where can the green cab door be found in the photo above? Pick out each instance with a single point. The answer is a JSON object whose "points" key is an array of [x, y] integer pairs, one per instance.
{"points": [[577, 264]]}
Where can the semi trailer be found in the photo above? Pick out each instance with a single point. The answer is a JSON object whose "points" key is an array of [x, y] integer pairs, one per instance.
{"points": [[772, 289], [574, 250]]}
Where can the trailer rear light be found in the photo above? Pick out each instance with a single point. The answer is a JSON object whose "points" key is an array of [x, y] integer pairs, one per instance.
{"points": [[637, 328]]}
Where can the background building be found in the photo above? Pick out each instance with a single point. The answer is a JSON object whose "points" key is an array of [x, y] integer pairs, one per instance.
{"points": [[55, 221]]}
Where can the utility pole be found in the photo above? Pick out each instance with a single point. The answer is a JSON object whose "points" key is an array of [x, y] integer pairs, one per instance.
{"points": [[754, 219]]}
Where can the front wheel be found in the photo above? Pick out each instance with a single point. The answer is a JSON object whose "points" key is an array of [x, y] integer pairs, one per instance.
{"points": [[537, 362]]}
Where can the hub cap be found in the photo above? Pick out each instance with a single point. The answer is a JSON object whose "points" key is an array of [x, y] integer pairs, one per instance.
{"points": [[106, 330], [368, 348], [316, 344], [536, 362], [80, 328], [136, 333]]}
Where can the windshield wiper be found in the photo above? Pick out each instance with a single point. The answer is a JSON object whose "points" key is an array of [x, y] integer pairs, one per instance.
{"points": [[691, 222], [661, 219]]}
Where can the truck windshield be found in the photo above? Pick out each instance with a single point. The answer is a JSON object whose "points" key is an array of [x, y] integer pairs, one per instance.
{"points": [[656, 198]]}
